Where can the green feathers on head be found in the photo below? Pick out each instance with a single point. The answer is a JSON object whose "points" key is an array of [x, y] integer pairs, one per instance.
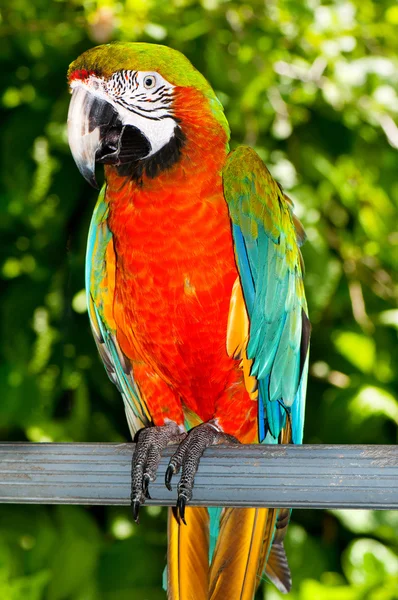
{"points": [[171, 64]]}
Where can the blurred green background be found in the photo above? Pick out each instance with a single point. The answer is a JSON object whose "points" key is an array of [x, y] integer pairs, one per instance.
{"points": [[312, 86]]}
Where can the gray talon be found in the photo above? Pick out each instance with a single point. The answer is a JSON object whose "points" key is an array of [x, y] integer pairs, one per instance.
{"points": [[187, 457], [145, 484], [136, 510], [181, 504], [168, 477], [150, 443]]}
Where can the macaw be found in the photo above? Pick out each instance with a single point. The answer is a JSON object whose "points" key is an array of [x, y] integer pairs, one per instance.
{"points": [[195, 293]]}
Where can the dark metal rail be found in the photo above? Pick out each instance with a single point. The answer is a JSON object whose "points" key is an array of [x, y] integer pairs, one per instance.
{"points": [[274, 476]]}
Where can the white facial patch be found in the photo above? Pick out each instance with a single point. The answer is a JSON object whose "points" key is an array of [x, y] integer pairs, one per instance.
{"points": [[142, 99]]}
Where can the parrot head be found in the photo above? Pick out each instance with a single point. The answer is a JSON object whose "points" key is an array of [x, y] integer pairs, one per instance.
{"points": [[134, 105]]}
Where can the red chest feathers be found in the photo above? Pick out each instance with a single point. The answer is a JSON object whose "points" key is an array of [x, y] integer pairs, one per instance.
{"points": [[175, 272]]}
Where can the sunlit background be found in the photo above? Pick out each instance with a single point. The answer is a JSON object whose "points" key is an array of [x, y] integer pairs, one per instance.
{"points": [[312, 86]]}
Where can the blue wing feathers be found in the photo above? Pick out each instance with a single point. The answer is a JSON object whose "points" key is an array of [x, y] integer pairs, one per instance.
{"points": [[298, 407], [244, 268], [273, 293]]}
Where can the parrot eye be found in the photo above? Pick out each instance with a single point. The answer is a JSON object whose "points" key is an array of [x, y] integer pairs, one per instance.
{"points": [[149, 81]]}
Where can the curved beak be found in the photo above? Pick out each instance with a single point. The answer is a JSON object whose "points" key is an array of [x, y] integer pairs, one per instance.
{"points": [[96, 133], [83, 135]]}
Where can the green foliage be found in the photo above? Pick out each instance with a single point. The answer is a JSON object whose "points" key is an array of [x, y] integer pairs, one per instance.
{"points": [[312, 86]]}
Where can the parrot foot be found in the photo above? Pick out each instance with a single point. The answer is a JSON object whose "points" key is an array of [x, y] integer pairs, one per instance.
{"points": [[187, 457], [150, 443]]}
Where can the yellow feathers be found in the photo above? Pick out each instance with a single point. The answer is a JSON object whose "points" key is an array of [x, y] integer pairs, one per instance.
{"points": [[188, 556], [238, 335], [241, 550], [238, 322]]}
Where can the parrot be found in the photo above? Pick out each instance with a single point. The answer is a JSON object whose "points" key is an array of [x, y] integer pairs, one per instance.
{"points": [[195, 293]]}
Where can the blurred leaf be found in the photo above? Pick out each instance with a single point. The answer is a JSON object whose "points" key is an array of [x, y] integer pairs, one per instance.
{"points": [[382, 523], [118, 581], [389, 317], [368, 562], [23, 588], [75, 559], [358, 349], [371, 401], [313, 590]]}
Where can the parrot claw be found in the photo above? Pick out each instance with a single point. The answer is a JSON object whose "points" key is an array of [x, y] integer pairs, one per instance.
{"points": [[181, 504], [150, 443], [136, 510], [169, 474], [187, 457]]}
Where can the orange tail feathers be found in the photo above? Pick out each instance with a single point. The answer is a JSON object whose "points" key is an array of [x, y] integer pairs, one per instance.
{"points": [[188, 556], [241, 550], [249, 545], [245, 549]]}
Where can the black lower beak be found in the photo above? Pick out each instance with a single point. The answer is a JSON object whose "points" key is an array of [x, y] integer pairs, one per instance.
{"points": [[121, 144], [97, 134]]}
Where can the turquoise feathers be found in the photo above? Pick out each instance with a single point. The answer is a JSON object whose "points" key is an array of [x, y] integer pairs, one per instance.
{"points": [[270, 268]]}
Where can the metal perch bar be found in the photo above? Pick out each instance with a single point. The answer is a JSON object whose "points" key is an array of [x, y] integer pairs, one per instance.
{"points": [[255, 475]]}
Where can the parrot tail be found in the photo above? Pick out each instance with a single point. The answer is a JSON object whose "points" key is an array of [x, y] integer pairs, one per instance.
{"points": [[188, 555], [277, 568], [249, 543], [241, 544], [243, 552]]}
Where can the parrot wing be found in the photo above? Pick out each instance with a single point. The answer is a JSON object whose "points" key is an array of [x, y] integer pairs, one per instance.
{"points": [[269, 331], [100, 289]]}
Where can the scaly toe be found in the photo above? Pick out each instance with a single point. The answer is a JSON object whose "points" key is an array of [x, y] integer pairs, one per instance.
{"points": [[145, 484], [150, 443], [168, 477], [186, 458]]}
